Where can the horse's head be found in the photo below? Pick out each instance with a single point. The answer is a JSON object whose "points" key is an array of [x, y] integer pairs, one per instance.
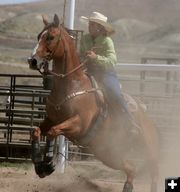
{"points": [[49, 44]]}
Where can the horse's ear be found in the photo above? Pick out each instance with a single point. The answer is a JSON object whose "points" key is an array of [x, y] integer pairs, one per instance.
{"points": [[56, 20], [45, 19]]}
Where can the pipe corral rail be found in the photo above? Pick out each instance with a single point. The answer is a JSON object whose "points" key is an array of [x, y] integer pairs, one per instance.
{"points": [[22, 104], [22, 107]]}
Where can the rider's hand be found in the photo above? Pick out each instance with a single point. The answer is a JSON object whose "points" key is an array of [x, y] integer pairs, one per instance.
{"points": [[91, 55]]}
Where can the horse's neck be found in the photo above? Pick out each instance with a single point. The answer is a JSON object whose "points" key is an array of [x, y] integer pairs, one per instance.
{"points": [[73, 62], [65, 65]]}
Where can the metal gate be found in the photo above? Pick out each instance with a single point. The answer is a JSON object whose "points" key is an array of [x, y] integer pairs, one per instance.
{"points": [[22, 107]]}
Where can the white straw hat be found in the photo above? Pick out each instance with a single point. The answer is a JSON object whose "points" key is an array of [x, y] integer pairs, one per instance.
{"points": [[100, 19]]}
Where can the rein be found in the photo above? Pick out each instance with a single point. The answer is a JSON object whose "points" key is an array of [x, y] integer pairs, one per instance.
{"points": [[44, 64], [61, 75], [50, 56], [73, 70]]}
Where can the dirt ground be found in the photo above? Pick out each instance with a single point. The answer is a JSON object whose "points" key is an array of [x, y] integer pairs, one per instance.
{"points": [[75, 179], [19, 180]]}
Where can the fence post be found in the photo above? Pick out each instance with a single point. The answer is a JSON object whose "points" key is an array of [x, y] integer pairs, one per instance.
{"points": [[69, 23], [61, 154]]}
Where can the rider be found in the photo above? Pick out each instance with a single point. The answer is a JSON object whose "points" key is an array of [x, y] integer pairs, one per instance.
{"points": [[98, 48]]}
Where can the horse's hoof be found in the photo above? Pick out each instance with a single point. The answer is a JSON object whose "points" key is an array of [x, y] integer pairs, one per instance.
{"points": [[128, 187], [39, 169], [43, 169], [49, 168]]}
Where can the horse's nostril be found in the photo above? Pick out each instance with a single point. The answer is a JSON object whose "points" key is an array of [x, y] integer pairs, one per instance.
{"points": [[32, 63]]}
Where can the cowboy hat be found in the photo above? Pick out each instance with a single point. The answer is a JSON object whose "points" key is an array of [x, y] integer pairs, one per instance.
{"points": [[100, 19]]}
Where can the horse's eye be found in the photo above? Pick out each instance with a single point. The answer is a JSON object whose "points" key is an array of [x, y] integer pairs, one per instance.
{"points": [[49, 38]]}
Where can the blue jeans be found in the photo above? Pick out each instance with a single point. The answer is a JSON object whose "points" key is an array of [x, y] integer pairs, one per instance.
{"points": [[113, 91]]}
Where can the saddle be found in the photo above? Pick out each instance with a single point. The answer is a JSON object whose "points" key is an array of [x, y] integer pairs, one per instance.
{"points": [[132, 103], [100, 117]]}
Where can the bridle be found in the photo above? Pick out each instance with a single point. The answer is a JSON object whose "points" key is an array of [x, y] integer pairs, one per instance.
{"points": [[46, 71], [50, 56], [52, 52]]}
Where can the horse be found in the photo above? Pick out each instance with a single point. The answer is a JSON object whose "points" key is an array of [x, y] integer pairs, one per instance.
{"points": [[75, 109]]}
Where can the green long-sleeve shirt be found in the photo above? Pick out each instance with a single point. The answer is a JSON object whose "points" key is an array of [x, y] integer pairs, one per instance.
{"points": [[103, 46]]}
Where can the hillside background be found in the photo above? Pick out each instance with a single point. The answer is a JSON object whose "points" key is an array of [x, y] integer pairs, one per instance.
{"points": [[144, 28]]}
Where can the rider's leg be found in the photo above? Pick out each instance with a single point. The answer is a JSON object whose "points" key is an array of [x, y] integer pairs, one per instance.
{"points": [[113, 91], [114, 94]]}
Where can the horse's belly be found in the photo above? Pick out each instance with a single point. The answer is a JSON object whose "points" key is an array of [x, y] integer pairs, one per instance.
{"points": [[112, 152], [113, 161]]}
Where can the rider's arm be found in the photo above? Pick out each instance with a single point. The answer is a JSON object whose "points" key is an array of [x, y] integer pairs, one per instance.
{"points": [[107, 57], [103, 48]]}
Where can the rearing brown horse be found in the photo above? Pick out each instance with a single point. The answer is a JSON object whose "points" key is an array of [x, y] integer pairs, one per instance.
{"points": [[73, 111]]}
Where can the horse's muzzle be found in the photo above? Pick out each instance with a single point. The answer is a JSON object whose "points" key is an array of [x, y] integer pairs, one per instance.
{"points": [[33, 63]]}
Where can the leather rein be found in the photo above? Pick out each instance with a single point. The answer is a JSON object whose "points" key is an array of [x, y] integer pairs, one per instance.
{"points": [[61, 75]]}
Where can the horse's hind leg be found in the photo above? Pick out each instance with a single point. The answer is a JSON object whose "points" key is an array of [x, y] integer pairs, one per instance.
{"points": [[154, 175], [153, 159], [130, 172]]}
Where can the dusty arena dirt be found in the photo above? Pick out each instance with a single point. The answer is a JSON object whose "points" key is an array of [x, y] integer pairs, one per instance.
{"points": [[75, 179], [19, 180]]}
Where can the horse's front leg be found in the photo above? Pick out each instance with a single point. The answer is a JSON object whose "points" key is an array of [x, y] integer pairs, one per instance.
{"points": [[36, 134], [36, 151], [38, 157], [71, 128], [43, 163]]}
